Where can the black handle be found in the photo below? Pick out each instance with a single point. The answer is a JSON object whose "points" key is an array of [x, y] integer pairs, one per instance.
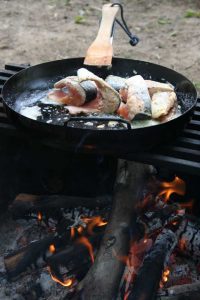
{"points": [[133, 38], [99, 119]]}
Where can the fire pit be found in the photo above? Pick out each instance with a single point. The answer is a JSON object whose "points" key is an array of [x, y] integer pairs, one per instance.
{"points": [[95, 227]]}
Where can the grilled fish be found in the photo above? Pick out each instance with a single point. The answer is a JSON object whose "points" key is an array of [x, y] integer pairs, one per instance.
{"points": [[155, 87], [69, 91], [161, 103], [138, 98], [109, 99]]}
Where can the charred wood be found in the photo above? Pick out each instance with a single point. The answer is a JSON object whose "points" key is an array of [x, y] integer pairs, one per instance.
{"points": [[189, 242], [25, 204], [181, 292], [102, 280], [18, 261], [147, 281], [75, 258]]}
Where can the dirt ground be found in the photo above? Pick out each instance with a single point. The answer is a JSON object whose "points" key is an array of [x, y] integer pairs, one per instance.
{"points": [[43, 30]]}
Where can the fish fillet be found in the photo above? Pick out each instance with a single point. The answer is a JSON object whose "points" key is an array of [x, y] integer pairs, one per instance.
{"points": [[161, 103], [138, 99], [155, 87], [110, 98]]}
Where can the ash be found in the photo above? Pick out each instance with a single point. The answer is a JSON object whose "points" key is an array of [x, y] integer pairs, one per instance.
{"points": [[35, 282]]}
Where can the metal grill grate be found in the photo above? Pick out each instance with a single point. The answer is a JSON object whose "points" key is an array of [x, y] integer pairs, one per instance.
{"points": [[182, 155]]}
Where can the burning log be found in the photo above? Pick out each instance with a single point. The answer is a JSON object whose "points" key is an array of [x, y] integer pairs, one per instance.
{"points": [[147, 281], [18, 261], [25, 204], [76, 258], [102, 280]]}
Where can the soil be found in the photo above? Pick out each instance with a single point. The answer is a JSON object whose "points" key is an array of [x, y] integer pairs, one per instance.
{"points": [[43, 30]]}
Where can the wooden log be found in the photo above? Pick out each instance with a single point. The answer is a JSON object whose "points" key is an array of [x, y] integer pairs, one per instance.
{"points": [[147, 281], [18, 261], [102, 280], [25, 204], [181, 292], [73, 257]]}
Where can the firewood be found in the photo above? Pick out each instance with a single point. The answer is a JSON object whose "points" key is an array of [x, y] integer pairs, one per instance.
{"points": [[147, 281], [73, 257], [102, 280], [18, 261], [181, 292], [25, 204]]}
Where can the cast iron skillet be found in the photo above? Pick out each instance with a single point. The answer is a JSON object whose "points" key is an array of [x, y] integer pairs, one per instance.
{"points": [[27, 85]]}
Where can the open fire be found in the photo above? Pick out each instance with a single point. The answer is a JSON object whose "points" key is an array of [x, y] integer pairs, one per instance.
{"points": [[62, 246]]}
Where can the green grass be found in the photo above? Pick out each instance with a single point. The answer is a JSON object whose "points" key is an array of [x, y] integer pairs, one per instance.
{"points": [[192, 14], [79, 19], [163, 21], [197, 85]]}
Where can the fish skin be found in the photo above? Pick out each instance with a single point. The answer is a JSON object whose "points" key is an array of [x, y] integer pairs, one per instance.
{"points": [[138, 99], [116, 82], [162, 103], [110, 97], [73, 95]]}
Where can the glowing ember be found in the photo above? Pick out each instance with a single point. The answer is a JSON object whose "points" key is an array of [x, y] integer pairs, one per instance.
{"points": [[176, 186], [39, 216], [67, 282], [182, 244], [72, 232], [52, 248], [188, 204], [83, 240]]}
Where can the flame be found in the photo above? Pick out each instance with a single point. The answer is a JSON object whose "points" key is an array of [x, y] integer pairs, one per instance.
{"points": [[67, 282], [39, 216], [93, 222], [176, 186], [165, 277], [83, 240], [52, 248]]}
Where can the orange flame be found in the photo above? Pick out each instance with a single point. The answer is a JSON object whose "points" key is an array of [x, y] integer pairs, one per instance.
{"points": [[52, 248], [39, 216], [93, 222], [165, 277], [83, 240], [176, 186], [67, 282]]}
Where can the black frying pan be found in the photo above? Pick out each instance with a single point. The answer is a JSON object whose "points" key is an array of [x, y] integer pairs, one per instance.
{"points": [[35, 82]]}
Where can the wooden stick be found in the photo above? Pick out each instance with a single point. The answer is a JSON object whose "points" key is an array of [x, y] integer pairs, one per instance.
{"points": [[103, 278], [18, 261], [26, 203]]}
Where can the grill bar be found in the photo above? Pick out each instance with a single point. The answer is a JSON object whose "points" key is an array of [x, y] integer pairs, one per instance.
{"points": [[182, 155]]}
